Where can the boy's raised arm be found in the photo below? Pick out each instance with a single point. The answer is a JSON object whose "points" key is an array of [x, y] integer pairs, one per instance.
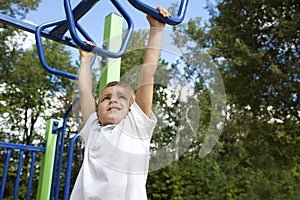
{"points": [[144, 93], [87, 101]]}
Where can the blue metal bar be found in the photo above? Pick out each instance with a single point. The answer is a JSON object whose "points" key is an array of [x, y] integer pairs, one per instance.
{"points": [[4, 176], [100, 51], [41, 51], [154, 13], [69, 167], [4, 19], [55, 130], [80, 10], [33, 157], [55, 175], [22, 147], [18, 174], [61, 151]]}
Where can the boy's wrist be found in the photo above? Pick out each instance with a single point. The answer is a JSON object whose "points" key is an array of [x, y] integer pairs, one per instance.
{"points": [[86, 58], [156, 29]]}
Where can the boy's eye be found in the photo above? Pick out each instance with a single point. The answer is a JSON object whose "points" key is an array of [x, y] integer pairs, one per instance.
{"points": [[105, 98], [123, 97]]}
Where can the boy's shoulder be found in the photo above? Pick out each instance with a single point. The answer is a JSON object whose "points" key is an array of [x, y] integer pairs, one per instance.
{"points": [[139, 117]]}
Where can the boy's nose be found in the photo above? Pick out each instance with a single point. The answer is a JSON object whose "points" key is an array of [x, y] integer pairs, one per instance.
{"points": [[113, 100]]}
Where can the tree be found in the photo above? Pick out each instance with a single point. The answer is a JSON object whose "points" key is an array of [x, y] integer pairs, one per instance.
{"points": [[16, 9], [260, 42], [30, 95], [249, 41], [29, 90], [257, 45]]}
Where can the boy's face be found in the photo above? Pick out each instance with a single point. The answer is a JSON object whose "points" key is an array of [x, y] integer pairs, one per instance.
{"points": [[114, 104]]}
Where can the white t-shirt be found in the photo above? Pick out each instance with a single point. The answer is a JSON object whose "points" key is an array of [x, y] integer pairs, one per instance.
{"points": [[116, 158]]}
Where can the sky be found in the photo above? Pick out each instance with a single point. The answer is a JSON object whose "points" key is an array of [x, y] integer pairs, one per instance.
{"points": [[93, 21], [49, 10]]}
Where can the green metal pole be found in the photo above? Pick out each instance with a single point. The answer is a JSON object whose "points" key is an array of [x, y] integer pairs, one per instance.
{"points": [[46, 170], [113, 40]]}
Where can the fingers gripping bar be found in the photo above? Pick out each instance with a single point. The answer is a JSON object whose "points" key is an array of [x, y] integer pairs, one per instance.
{"points": [[155, 13]]}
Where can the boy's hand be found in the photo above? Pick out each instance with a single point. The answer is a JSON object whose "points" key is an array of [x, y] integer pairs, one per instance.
{"points": [[85, 54], [154, 23]]}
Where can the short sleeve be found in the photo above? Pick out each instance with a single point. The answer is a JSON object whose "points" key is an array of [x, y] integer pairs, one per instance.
{"points": [[90, 124], [138, 124]]}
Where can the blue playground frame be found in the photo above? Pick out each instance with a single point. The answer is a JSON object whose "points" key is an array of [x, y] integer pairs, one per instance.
{"points": [[21, 148], [53, 149]]}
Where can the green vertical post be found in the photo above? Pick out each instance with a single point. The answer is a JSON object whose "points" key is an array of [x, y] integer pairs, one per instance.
{"points": [[46, 169], [112, 39]]}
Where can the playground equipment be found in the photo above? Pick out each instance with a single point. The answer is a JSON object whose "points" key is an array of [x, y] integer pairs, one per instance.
{"points": [[53, 149]]}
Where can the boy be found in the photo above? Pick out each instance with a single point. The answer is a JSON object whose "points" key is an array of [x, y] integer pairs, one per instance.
{"points": [[117, 136]]}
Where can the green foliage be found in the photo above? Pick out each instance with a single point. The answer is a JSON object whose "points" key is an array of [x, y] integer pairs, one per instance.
{"points": [[255, 46], [259, 41], [18, 7], [28, 90], [188, 179]]}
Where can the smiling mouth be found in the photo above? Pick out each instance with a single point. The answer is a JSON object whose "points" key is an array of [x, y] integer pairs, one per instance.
{"points": [[112, 109]]}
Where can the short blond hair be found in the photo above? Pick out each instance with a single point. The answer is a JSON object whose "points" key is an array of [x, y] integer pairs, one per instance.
{"points": [[120, 84]]}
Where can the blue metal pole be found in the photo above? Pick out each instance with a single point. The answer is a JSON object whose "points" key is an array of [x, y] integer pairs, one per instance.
{"points": [[3, 183], [18, 174]]}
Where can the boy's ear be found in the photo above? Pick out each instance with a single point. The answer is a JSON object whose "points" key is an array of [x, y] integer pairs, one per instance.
{"points": [[132, 98]]}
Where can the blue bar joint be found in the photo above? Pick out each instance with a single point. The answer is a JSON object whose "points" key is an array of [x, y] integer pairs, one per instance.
{"points": [[104, 58], [72, 22], [55, 128]]}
